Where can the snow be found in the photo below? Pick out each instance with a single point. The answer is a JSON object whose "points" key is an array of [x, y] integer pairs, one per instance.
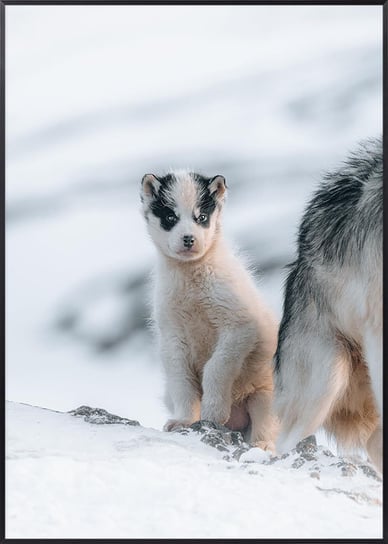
{"points": [[70, 479], [270, 97]]}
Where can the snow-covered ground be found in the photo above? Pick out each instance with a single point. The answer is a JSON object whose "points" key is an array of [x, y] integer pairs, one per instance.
{"points": [[269, 96], [69, 478]]}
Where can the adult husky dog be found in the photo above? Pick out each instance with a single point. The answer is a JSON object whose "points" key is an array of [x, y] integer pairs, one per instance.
{"points": [[328, 364], [217, 338]]}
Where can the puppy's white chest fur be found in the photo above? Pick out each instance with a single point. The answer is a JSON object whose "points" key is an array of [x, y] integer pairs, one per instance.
{"points": [[186, 307]]}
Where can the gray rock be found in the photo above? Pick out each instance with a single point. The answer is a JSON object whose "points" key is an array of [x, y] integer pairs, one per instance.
{"points": [[204, 426], [99, 416], [217, 436], [214, 440], [370, 472], [347, 469], [307, 446], [299, 461], [275, 458], [308, 456]]}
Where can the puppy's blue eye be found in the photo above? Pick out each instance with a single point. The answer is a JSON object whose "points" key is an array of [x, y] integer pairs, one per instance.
{"points": [[202, 218], [171, 218]]}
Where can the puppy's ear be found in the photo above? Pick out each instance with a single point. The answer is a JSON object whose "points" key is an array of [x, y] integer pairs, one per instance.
{"points": [[217, 185], [149, 187]]}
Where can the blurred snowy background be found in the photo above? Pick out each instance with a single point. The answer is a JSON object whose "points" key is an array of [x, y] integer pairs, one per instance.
{"points": [[96, 96]]}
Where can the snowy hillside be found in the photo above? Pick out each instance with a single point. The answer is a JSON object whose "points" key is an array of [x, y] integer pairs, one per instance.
{"points": [[70, 478]]}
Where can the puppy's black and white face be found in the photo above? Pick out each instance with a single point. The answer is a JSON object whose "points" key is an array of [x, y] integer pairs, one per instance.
{"points": [[182, 211]]}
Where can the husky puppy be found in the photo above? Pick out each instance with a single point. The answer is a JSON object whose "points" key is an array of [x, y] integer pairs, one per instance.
{"points": [[328, 364], [217, 338]]}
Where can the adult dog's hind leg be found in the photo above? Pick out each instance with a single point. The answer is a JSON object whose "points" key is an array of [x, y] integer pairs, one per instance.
{"points": [[374, 447], [373, 348], [312, 372]]}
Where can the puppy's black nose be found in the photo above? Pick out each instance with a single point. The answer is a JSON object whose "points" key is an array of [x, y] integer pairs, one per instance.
{"points": [[188, 240]]}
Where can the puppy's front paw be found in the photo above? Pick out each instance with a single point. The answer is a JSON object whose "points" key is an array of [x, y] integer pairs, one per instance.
{"points": [[216, 412], [175, 424]]}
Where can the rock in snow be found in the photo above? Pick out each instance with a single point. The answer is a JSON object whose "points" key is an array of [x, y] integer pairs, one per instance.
{"points": [[66, 478], [99, 416]]}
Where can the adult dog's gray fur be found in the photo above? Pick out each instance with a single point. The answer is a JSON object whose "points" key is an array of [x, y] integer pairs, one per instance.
{"points": [[328, 364]]}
